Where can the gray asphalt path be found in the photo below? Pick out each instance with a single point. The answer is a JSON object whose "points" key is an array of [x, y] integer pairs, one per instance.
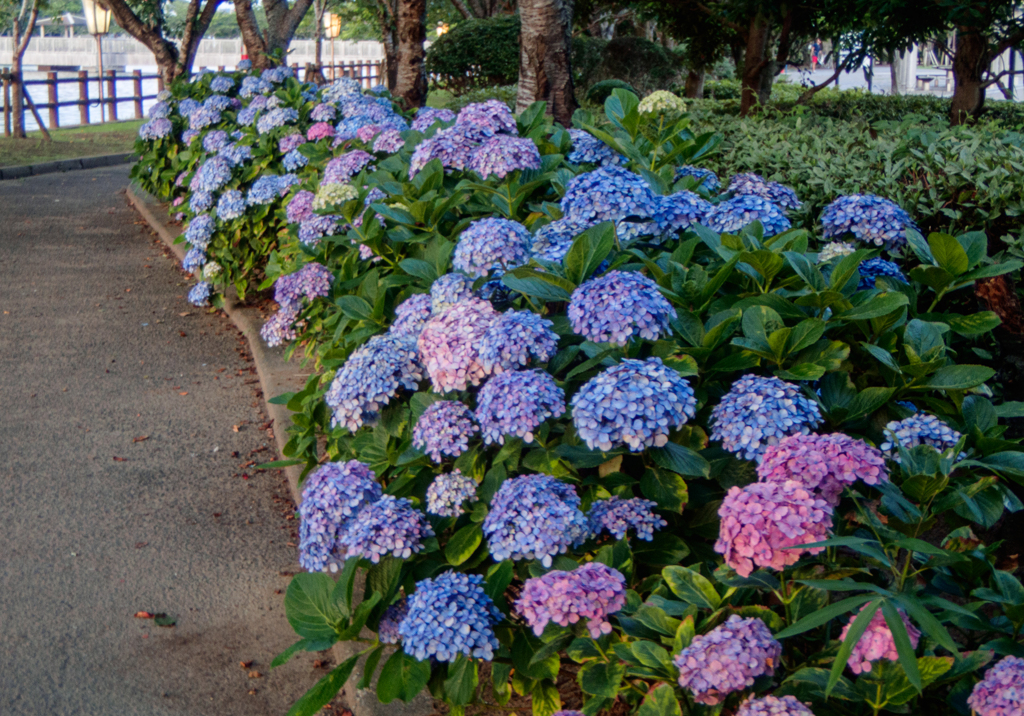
{"points": [[124, 486]]}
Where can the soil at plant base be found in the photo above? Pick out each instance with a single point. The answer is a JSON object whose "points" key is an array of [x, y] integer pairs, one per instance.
{"points": [[131, 426]]}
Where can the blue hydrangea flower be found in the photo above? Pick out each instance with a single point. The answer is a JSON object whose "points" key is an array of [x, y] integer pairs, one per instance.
{"points": [[347, 128], [391, 525], [324, 112], [237, 154], [199, 231], [157, 128], [387, 628], [294, 160], [485, 119], [588, 149], [426, 116], [200, 201], [534, 517], [619, 306], [340, 170], [265, 190], [277, 117], [918, 429], [189, 135], [370, 378], [502, 154], [444, 428], [411, 316], [214, 173], [331, 496], [758, 411], [217, 102], [222, 83], [448, 290], [869, 218], [773, 706], [247, 116], [488, 245], [708, 179], [610, 193], [616, 516], [451, 146], [231, 205], [317, 226], [450, 615], [732, 215], [517, 402], [252, 85], [750, 184], [244, 65], [873, 268], [160, 110], [216, 140], [448, 492], [278, 74], [339, 88], [202, 118], [194, 258], [680, 211], [513, 337], [187, 106], [553, 241], [634, 403], [200, 294]]}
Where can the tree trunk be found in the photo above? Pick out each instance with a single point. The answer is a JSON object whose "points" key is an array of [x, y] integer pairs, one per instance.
{"points": [[970, 63], [754, 62], [545, 72], [389, 39], [271, 48], [164, 51], [695, 84], [411, 75], [196, 25], [999, 295], [255, 46], [894, 76], [20, 45]]}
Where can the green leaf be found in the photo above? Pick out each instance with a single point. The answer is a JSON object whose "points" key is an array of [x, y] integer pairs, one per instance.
{"points": [[402, 678], [650, 654], [692, 587], [958, 377], [545, 699], [666, 488], [806, 270], [419, 268], [817, 679], [907, 657], [370, 667], [928, 623], [588, 250], [538, 284], [948, 253], [681, 459], [975, 324], [881, 305], [600, 678], [868, 401], [802, 371], [661, 701], [856, 631], [460, 686], [309, 607], [301, 645], [325, 690], [355, 307], [499, 576], [824, 615], [463, 544]]}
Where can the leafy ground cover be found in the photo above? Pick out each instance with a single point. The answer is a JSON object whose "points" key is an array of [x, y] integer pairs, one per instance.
{"points": [[70, 143]]}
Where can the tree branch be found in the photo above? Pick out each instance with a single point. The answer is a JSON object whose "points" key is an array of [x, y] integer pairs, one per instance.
{"points": [[740, 30], [151, 36], [840, 67], [29, 27], [463, 10], [995, 79]]}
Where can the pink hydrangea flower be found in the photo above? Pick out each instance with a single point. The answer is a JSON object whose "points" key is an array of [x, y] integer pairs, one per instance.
{"points": [[876, 642], [592, 592], [727, 659], [449, 345], [824, 464], [320, 130], [365, 134]]}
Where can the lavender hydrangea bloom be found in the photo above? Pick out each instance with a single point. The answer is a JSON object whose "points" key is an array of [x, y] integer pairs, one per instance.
{"points": [[444, 428], [487, 118], [448, 290], [280, 327], [426, 116], [388, 526], [202, 118], [869, 218], [501, 155], [215, 141], [634, 403], [388, 142], [311, 281], [876, 642], [515, 403], [300, 207], [773, 706], [588, 149], [534, 517], [222, 83], [252, 85], [873, 268], [732, 215], [619, 306], [513, 337], [264, 190], [447, 493], [340, 170], [346, 129], [199, 231], [160, 110], [294, 160], [707, 178], [247, 116], [553, 241], [762, 521], [727, 659], [450, 345], [231, 205], [317, 226], [237, 154], [751, 184], [324, 112], [290, 142], [491, 245], [451, 146], [387, 628], [217, 102], [155, 129], [411, 316], [189, 135], [200, 201], [616, 515], [824, 464], [187, 106], [680, 211], [610, 193], [214, 173], [1001, 692], [918, 429], [450, 615], [370, 378], [332, 495], [200, 294], [758, 412], [277, 117], [592, 592]]}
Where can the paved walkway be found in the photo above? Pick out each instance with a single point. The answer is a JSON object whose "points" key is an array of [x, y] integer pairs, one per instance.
{"points": [[124, 485]]}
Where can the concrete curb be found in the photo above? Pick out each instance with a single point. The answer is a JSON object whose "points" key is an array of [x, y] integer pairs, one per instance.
{"points": [[65, 165]]}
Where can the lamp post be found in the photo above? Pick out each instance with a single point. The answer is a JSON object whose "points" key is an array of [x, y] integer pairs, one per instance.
{"points": [[332, 27], [97, 22]]}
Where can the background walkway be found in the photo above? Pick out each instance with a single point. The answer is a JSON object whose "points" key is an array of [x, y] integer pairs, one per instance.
{"points": [[124, 485]]}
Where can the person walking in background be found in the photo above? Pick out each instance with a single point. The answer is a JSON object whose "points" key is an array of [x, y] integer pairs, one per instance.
{"points": [[816, 48]]}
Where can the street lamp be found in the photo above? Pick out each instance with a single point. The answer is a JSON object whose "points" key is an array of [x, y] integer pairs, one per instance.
{"points": [[97, 22], [332, 27]]}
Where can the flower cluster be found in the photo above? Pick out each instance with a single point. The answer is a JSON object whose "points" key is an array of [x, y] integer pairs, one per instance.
{"points": [[157, 128], [750, 184], [332, 193], [199, 231], [252, 85], [680, 211], [200, 201], [534, 517], [300, 207], [199, 295], [834, 250], [871, 219], [824, 464], [448, 290], [592, 592], [449, 345], [370, 378], [762, 521], [214, 173], [634, 403], [411, 315], [202, 118], [610, 193], [503, 154], [237, 154], [160, 110], [388, 141], [451, 146], [217, 102], [553, 241], [485, 119], [317, 226], [311, 281], [758, 412], [269, 187], [513, 337], [294, 160], [616, 515], [773, 706], [387, 628], [194, 258], [333, 494], [708, 179], [426, 116], [588, 149], [444, 428], [324, 112], [388, 526], [876, 642], [450, 615], [732, 215], [515, 403], [619, 306], [277, 117], [340, 170], [222, 83], [918, 429], [447, 493], [876, 267], [215, 141], [488, 245], [1001, 692], [727, 659], [662, 102]]}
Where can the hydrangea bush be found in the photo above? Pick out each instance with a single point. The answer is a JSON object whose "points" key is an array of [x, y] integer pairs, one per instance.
{"points": [[678, 461]]}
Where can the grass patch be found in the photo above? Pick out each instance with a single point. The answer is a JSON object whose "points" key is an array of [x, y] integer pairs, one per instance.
{"points": [[70, 143]]}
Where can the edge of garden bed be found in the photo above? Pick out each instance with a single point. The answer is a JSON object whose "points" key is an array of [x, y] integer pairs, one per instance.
{"points": [[276, 377], [66, 165]]}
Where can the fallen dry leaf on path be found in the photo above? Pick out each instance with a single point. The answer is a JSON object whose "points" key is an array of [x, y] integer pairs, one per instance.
{"points": [[140, 438], [185, 393], [143, 615], [255, 675], [120, 459]]}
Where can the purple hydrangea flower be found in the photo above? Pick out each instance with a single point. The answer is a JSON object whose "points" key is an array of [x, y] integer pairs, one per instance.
{"points": [[610, 193], [247, 116], [194, 258], [157, 128], [237, 154], [1001, 692], [387, 628], [773, 706], [513, 337], [534, 517], [388, 526], [451, 146], [634, 403], [231, 205], [761, 521], [200, 201], [450, 345], [501, 155], [370, 378], [732, 215], [202, 118], [217, 102], [592, 592], [448, 290], [447, 493], [876, 642], [619, 306], [485, 119], [515, 403], [426, 116], [411, 315], [751, 184], [300, 207], [707, 178], [727, 659], [189, 135], [199, 231], [873, 268], [200, 294], [869, 218], [616, 515], [388, 142], [316, 227], [277, 117], [758, 412], [332, 495], [280, 328], [290, 142], [324, 112], [311, 281], [824, 464], [216, 140], [340, 170], [918, 429], [491, 245], [588, 149], [444, 428], [450, 615], [214, 173]]}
